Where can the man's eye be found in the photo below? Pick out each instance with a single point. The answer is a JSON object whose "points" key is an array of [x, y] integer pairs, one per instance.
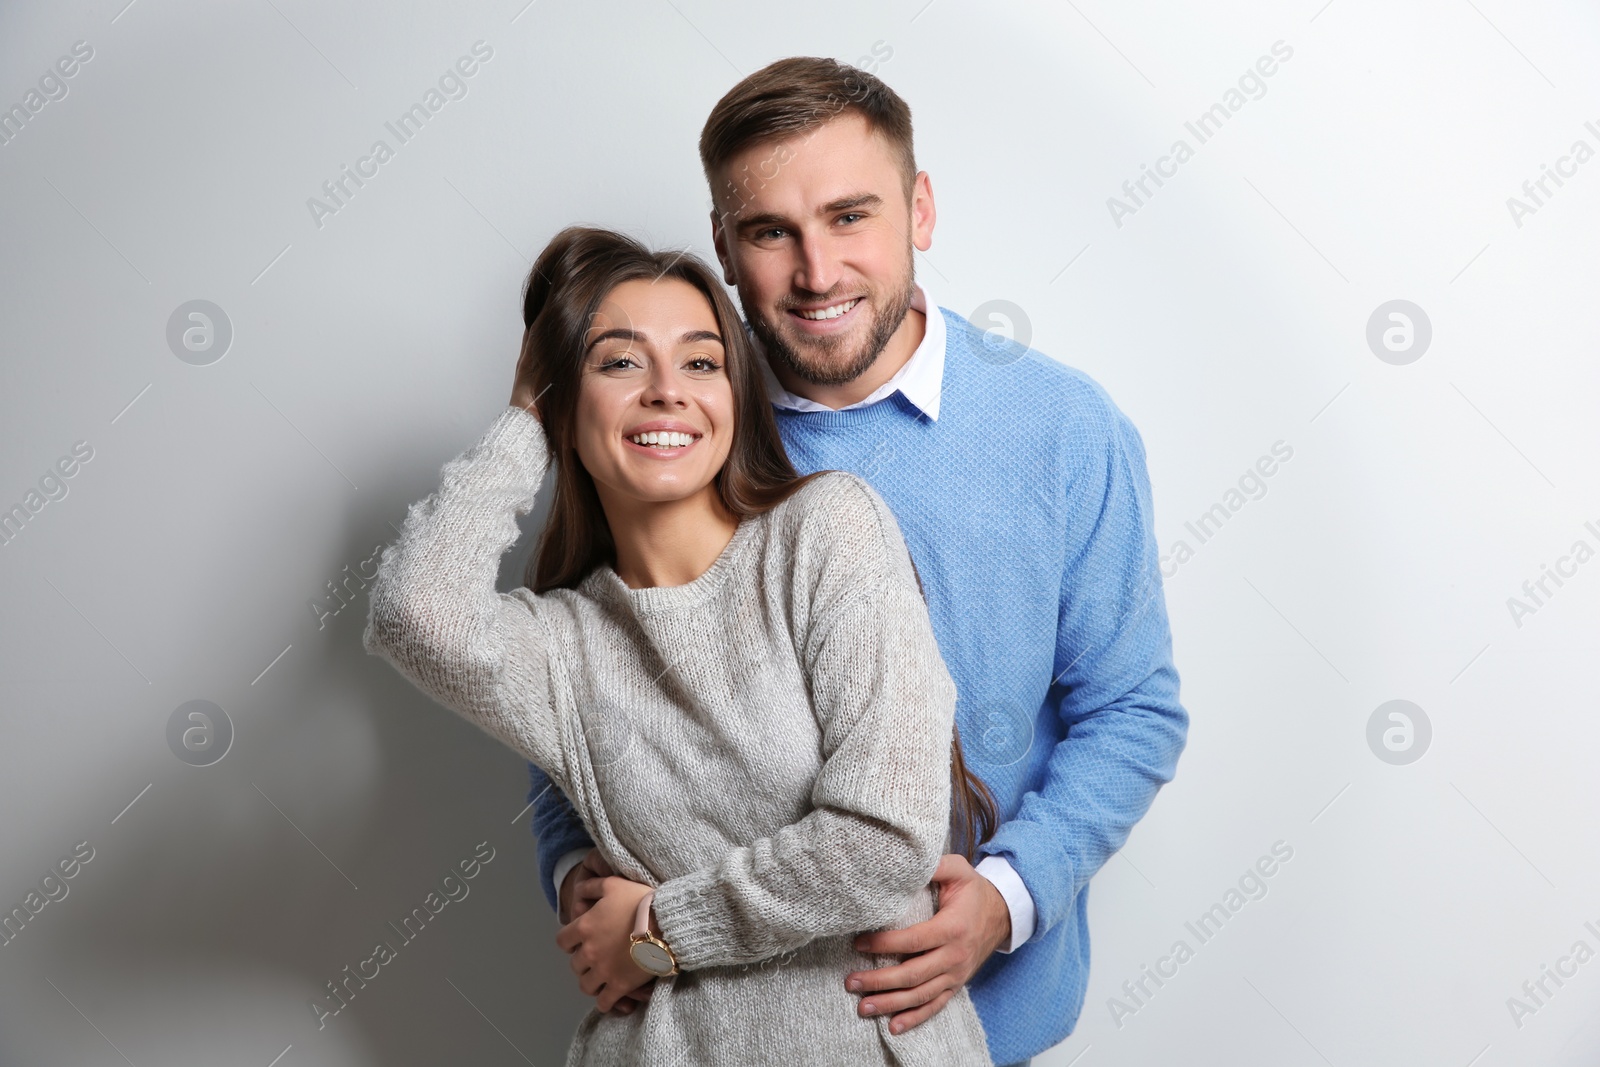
{"points": [[851, 216], [770, 234]]}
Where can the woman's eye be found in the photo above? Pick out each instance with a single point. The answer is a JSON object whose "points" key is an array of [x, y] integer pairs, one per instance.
{"points": [[706, 363], [618, 362]]}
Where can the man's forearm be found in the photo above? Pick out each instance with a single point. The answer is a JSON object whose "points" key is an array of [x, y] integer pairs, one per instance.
{"points": [[563, 868], [558, 830], [1099, 782], [1019, 902]]}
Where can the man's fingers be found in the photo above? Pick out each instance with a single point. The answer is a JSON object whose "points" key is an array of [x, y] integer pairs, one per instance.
{"points": [[900, 1000], [591, 888], [907, 1019], [919, 937], [904, 975], [604, 999]]}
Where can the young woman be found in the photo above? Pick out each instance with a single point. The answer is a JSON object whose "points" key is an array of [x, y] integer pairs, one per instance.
{"points": [[727, 668]]}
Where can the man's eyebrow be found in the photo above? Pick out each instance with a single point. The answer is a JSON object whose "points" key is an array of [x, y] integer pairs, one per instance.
{"points": [[755, 222], [844, 203], [858, 200]]}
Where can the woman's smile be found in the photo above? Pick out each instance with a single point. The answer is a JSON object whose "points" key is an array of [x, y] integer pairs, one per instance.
{"points": [[662, 439]]}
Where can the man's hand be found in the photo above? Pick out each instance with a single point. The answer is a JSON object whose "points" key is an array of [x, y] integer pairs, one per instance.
{"points": [[584, 885], [570, 897], [598, 941], [972, 921]]}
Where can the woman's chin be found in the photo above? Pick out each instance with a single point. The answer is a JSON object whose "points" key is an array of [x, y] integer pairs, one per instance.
{"points": [[663, 489]]}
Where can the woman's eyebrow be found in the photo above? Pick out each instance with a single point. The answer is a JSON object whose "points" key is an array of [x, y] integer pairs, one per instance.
{"points": [[699, 335], [620, 333]]}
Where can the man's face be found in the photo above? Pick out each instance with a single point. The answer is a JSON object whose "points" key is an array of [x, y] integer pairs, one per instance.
{"points": [[817, 235]]}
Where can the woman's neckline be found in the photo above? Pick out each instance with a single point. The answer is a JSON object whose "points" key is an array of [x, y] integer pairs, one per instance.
{"points": [[671, 597]]}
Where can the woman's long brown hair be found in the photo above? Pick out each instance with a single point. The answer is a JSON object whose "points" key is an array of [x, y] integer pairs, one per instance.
{"points": [[570, 280]]}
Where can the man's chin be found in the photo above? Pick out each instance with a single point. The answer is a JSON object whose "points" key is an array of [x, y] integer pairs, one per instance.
{"points": [[820, 370]]}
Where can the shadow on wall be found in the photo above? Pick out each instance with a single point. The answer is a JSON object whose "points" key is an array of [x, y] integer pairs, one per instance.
{"points": [[355, 877]]}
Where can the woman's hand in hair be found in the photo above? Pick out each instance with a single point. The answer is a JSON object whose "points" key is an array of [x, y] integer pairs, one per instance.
{"points": [[522, 394], [598, 941]]}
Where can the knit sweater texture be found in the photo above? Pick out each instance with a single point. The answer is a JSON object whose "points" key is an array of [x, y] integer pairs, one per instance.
{"points": [[768, 745], [1027, 507]]}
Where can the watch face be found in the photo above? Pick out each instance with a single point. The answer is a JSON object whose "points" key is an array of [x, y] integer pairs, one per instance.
{"points": [[652, 957]]}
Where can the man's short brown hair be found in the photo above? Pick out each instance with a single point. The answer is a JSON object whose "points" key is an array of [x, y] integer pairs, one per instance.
{"points": [[793, 96]]}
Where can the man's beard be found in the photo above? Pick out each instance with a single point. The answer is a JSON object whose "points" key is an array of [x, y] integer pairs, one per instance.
{"points": [[886, 320]]}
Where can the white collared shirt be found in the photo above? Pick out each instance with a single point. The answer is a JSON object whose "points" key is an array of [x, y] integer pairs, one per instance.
{"points": [[920, 381]]}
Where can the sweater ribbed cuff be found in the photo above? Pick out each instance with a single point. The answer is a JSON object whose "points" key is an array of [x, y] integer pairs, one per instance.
{"points": [[692, 920]]}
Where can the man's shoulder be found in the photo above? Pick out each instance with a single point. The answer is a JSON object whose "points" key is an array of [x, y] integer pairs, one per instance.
{"points": [[1024, 385]]}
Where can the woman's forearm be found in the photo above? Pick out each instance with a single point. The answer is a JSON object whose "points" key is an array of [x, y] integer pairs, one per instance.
{"points": [[434, 612], [881, 801]]}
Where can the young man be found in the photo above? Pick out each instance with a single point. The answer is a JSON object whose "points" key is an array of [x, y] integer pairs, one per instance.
{"points": [[1023, 496]]}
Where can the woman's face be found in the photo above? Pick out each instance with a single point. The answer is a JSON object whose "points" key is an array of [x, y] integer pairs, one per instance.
{"points": [[656, 365]]}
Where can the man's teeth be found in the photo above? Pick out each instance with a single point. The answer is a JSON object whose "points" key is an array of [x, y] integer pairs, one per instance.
{"points": [[663, 438], [833, 311]]}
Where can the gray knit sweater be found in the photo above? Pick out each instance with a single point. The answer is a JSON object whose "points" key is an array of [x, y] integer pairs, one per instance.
{"points": [[768, 745]]}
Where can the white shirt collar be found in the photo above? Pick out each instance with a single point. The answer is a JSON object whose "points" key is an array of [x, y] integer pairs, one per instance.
{"points": [[920, 380]]}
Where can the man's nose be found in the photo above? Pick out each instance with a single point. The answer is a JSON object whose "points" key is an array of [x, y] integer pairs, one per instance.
{"points": [[818, 270]]}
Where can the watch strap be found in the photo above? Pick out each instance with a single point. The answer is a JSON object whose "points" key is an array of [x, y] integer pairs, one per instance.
{"points": [[641, 918]]}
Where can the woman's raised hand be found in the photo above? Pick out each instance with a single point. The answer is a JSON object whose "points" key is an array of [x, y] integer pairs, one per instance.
{"points": [[522, 394]]}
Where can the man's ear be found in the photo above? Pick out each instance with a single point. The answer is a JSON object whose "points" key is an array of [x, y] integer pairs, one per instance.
{"points": [[923, 214], [719, 241]]}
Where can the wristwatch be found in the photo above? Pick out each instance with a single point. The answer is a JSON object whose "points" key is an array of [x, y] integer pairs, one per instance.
{"points": [[649, 951]]}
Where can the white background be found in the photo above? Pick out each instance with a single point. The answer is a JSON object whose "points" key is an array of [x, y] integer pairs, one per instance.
{"points": [[1228, 313]]}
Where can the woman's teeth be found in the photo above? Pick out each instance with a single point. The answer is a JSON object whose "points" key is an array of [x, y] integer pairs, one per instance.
{"points": [[663, 439], [832, 311]]}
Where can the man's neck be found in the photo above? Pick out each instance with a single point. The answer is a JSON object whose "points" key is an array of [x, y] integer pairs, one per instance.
{"points": [[896, 354]]}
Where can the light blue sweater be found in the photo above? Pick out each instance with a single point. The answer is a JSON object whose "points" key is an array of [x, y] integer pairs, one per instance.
{"points": [[1026, 507]]}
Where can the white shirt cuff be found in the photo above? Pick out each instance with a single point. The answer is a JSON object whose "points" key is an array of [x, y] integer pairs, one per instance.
{"points": [[1018, 900], [564, 866]]}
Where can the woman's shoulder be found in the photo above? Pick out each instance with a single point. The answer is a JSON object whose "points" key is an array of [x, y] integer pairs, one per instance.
{"points": [[831, 499], [838, 520]]}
